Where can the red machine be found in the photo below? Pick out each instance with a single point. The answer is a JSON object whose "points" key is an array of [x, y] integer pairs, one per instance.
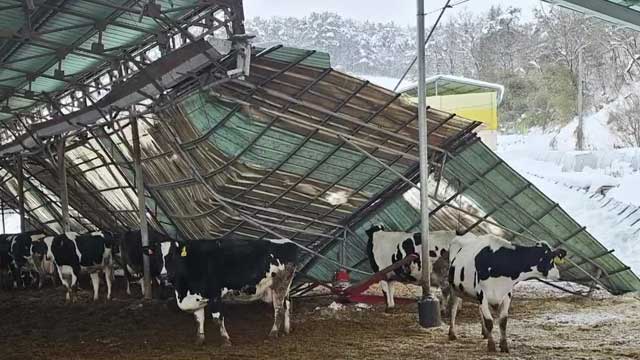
{"points": [[345, 292]]}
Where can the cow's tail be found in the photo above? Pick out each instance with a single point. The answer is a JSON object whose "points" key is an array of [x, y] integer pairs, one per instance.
{"points": [[372, 230]]}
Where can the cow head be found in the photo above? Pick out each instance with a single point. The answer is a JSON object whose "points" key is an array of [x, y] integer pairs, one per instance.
{"points": [[549, 261], [374, 229], [164, 254]]}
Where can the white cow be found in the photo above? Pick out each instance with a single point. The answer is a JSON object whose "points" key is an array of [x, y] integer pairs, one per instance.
{"points": [[485, 269], [385, 248]]}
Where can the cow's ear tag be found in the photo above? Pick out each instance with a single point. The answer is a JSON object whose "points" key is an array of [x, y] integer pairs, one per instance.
{"points": [[558, 260], [184, 251]]}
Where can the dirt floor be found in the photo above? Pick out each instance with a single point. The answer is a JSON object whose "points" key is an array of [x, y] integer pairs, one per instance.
{"points": [[544, 324]]}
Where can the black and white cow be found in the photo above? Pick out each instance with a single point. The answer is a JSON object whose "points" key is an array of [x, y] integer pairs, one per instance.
{"points": [[132, 252], [204, 271], [6, 279], [19, 255], [73, 253], [385, 248], [485, 269]]}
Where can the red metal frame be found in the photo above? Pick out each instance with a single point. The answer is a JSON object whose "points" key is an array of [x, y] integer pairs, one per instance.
{"points": [[354, 293]]}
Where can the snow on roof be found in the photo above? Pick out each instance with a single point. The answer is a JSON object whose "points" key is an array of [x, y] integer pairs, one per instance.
{"points": [[443, 79]]}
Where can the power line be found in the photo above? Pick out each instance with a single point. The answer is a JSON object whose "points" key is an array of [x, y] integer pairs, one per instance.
{"points": [[450, 6], [446, 6]]}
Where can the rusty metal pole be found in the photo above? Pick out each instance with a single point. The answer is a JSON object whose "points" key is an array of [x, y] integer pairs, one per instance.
{"points": [[428, 306], [144, 231], [4, 230], [20, 179], [62, 182]]}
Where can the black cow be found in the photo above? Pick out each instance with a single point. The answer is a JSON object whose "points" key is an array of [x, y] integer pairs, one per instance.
{"points": [[16, 249], [485, 269], [5, 263], [131, 254], [203, 271], [385, 248], [73, 253]]}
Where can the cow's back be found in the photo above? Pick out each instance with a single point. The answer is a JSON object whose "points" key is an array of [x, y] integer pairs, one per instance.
{"points": [[92, 249], [246, 262], [236, 265]]}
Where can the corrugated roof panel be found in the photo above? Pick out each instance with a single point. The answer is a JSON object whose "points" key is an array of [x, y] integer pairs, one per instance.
{"points": [[287, 54]]}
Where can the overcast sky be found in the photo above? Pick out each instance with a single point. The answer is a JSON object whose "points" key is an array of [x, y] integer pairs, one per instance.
{"points": [[373, 10]]}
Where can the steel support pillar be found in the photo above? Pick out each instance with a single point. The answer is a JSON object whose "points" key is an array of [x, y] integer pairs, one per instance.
{"points": [[428, 306], [20, 179], [144, 231], [63, 192]]}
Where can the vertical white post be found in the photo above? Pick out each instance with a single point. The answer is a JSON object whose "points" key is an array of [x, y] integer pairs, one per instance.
{"points": [[4, 230], [63, 191], [20, 179], [144, 232], [428, 307], [580, 132]]}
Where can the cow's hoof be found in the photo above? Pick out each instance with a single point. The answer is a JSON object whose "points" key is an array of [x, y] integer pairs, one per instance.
{"points": [[453, 336], [226, 342], [491, 346], [503, 346], [273, 334], [200, 339], [391, 310]]}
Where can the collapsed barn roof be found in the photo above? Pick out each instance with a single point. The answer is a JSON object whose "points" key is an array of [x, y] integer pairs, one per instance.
{"points": [[296, 149]]}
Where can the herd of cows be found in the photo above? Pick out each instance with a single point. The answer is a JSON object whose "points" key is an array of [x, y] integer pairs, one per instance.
{"points": [[483, 269]]}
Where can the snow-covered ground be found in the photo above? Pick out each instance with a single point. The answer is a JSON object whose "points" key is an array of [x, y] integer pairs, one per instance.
{"points": [[570, 177]]}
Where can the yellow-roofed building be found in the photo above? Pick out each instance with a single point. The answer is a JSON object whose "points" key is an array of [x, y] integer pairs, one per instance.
{"points": [[469, 98]]}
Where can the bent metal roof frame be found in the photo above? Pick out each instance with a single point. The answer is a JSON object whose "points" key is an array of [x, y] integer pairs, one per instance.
{"points": [[50, 50], [296, 149]]}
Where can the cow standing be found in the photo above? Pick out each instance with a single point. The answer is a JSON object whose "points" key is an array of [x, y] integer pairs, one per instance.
{"points": [[131, 252], [203, 271], [19, 255], [73, 253], [385, 248], [485, 269], [5, 263]]}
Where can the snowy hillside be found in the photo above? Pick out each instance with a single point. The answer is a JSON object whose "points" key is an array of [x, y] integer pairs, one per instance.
{"points": [[575, 178]]}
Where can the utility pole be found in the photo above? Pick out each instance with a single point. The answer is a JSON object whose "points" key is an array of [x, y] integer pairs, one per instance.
{"points": [[20, 180], [142, 208], [428, 306], [62, 179], [580, 129]]}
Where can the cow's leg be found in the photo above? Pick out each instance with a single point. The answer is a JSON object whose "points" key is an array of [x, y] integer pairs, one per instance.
{"points": [[199, 315], [128, 287], [280, 298], [141, 283], [215, 308], [67, 283], [453, 311], [108, 277], [387, 289], [95, 282], [277, 300], [223, 332], [502, 320], [287, 316], [487, 321], [74, 283], [217, 315]]}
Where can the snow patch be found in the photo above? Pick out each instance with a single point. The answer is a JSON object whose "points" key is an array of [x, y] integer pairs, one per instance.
{"points": [[337, 197]]}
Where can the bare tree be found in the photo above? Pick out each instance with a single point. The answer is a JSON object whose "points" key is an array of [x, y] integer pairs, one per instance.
{"points": [[626, 121]]}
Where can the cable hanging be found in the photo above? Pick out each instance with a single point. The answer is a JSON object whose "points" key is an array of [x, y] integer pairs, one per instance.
{"points": [[446, 6]]}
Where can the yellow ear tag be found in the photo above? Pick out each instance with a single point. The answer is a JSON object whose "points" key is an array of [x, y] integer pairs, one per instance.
{"points": [[558, 261], [184, 251]]}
